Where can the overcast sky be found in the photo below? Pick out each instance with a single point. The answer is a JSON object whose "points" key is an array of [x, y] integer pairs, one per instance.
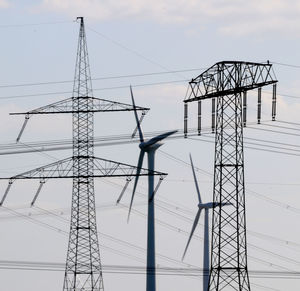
{"points": [[136, 37]]}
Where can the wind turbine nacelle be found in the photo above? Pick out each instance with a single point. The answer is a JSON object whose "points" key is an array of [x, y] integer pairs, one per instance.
{"points": [[147, 146]]}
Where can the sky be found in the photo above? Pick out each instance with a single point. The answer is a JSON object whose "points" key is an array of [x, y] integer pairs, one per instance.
{"points": [[148, 39]]}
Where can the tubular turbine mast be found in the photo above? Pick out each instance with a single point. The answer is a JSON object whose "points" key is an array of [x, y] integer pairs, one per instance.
{"points": [[227, 83], [83, 265]]}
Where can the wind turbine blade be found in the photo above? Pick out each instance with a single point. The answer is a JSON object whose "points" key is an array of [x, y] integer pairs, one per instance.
{"points": [[139, 166], [195, 179], [136, 117], [192, 231], [160, 137], [140, 122]]}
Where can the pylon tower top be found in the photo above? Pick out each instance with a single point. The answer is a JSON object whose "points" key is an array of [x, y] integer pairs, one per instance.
{"points": [[82, 80], [230, 77]]}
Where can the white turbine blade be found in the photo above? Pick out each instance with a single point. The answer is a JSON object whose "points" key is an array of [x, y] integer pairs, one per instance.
{"points": [[139, 166], [192, 231], [160, 137], [195, 179], [140, 122], [136, 118]]}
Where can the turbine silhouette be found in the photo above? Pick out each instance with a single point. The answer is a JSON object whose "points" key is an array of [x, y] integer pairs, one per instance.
{"points": [[206, 207], [148, 147]]}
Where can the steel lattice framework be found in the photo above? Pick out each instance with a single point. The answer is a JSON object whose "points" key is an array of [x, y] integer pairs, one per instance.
{"points": [[83, 265], [227, 81]]}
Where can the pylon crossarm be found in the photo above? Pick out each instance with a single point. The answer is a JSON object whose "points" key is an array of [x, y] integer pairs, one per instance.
{"points": [[230, 77], [64, 169], [108, 168], [60, 169], [66, 106]]}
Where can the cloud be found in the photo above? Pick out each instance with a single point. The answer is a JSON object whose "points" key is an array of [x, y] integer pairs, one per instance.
{"points": [[4, 4], [228, 17]]}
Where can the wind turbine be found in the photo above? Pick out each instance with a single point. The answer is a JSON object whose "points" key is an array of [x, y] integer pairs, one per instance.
{"points": [[150, 148], [206, 207]]}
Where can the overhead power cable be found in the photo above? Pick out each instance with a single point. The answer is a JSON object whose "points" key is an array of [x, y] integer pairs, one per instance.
{"points": [[96, 89], [286, 65], [131, 269], [54, 145], [160, 222], [258, 195], [102, 78], [33, 24], [189, 220]]}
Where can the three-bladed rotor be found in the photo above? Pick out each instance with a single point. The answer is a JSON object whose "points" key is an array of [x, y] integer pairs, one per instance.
{"points": [[146, 147], [201, 205]]}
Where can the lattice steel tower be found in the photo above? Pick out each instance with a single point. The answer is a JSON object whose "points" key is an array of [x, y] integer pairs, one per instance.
{"points": [[83, 265], [83, 256], [227, 83]]}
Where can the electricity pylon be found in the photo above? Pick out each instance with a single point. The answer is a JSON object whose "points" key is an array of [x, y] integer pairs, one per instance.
{"points": [[226, 83], [83, 265]]}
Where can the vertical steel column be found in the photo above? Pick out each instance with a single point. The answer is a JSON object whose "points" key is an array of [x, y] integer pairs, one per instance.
{"points": [[83, 265], [228, 252]]}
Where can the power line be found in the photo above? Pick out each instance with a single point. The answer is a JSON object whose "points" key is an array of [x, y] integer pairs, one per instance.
{"points": [[136, 53], [53, 145], [160, 222], [33, 24], [97, 89], [131, 269], [102, 78], [286, 65], [260, 196]]}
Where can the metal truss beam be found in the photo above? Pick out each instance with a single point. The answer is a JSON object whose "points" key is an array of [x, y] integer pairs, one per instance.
{"points": [[64, 169], [66, 106], [230, 77]]}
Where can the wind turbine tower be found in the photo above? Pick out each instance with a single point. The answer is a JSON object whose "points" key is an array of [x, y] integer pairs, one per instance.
{"points": [[206, 207], [226, 84], [150, 148]]}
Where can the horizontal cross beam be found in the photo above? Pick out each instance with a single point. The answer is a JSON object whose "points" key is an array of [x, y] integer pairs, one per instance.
{"points": [[66, 106], [64, 169], [230, 77]]}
